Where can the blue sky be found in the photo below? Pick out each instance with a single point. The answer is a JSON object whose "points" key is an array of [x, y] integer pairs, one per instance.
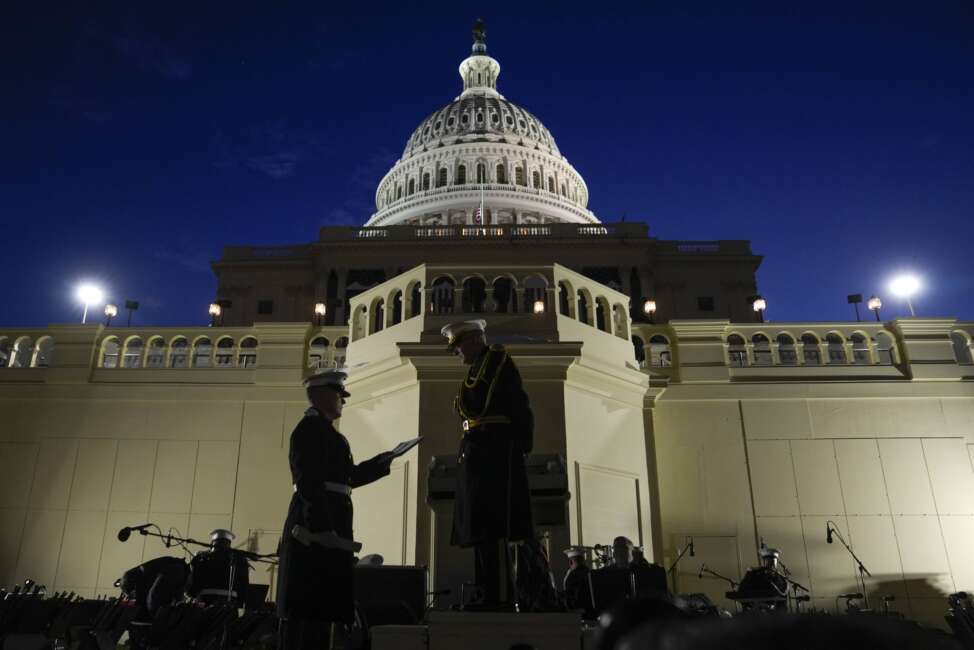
{"points": [[135, 143]]}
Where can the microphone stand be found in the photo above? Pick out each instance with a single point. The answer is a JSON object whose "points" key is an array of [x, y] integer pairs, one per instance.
{"points": [[706, 569], [672, 569], [863, 572]]}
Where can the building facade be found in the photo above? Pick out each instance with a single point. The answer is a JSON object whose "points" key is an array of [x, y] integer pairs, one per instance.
{"points": [[703, 423]]}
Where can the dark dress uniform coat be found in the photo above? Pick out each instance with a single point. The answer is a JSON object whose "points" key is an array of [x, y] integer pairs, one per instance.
{"points": [[210, 570], [492, 498], [315, 583]]}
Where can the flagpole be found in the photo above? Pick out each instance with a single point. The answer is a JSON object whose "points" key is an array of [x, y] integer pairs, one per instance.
{"points": [[483, 216]]}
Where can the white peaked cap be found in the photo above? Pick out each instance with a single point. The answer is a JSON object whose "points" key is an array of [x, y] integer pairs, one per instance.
{"points": [[453, 330], [330, 377]]}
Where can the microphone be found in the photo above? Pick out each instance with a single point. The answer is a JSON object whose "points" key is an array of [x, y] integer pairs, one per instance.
{"points": [[126, 532], [828, 532], [700, 575], [692, 554]]}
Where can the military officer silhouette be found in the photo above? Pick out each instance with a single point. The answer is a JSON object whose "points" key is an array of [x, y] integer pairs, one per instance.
{"points": [[492, 506], [210, 573], [315, 580]]}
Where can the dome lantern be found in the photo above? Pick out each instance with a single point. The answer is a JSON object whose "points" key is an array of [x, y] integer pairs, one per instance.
{"points": [[478, 71]]}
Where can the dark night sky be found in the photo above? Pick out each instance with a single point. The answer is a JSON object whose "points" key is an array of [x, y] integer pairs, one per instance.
{"points": [[134, 144]]}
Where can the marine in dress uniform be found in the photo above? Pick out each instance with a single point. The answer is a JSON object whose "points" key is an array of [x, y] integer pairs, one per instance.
{"points": [[578, 593], [315, 584], [209, 573], [493, 502]]}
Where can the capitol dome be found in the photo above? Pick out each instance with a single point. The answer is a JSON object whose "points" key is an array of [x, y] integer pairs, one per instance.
{"points": [[481, 150]]}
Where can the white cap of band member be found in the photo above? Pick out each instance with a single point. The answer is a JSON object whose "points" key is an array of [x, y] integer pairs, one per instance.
{"points": [[330, 377], [454, 331], [574, 551], [221, 533]]}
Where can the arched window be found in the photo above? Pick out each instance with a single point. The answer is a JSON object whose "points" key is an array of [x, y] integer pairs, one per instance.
{"points": [[583, 304], [426, 181], [564, 299], [761, 349], [620, 321], [441, 296], [737, 351], [155, 356], [501, 174], [811, 353], [836, 348], [378, 320], [360, 323], [24, 352], [248, 353], [551, 184], [317, 352], [461, 175], [786, 350], [441, 177], [341, 343], [473, 296], [534, 290], [639, 349], [860, 349], [224, 352], [481, 173], [415, 293], [179, 353], [884, 349], [132, 354], [660, 355], [962, 347], [564, 192], [398, 191], [202, 353], [42, 352], [503, 295], [110, 350], [519, 175], [5, 353], [536, 180], [412, 186], [601, 314], [395, 305]]}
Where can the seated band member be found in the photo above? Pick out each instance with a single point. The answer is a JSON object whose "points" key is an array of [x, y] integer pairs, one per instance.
{"points": [[315, 583], [209, 573], [493, 502]]}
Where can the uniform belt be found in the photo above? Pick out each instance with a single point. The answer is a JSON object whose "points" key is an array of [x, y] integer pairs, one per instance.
{"points": [[217, 592], [340, 488], [487, 419]]}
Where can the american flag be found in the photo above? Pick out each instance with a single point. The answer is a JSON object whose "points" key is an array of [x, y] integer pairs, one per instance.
{"points": [[478, 216]]}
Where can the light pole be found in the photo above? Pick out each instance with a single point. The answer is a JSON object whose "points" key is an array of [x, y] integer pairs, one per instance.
{"points": [[111, 311], [649, 308], [905, 286], [131, 305], [875, 304], [759, 305], [215, 311], [854, 300], [320, 310], [89, 295]]}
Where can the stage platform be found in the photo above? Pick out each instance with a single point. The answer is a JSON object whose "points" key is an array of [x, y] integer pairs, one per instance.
{"points": [[487, 631]]}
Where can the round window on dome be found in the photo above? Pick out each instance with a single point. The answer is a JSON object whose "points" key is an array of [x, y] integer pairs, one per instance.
{"points": [[510, 121], [521, 122], [465, 119], [495, 118], [450, 122], [480, 117]]}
